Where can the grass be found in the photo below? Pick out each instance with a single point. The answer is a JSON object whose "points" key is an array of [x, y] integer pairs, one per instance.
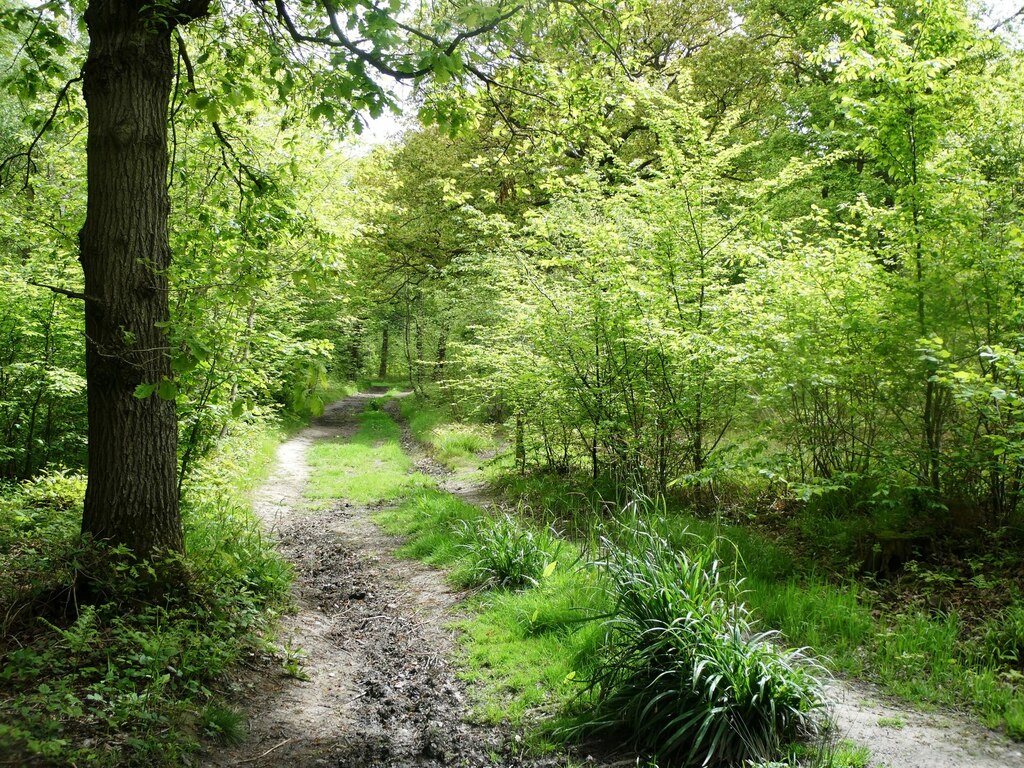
{"points": [[371, 467], [457, 445], [546, 644], [682, 674], [122, 681], [434, 524], [526, 652], [892, 722], [927, 659], [831, 619], [520, 649]]}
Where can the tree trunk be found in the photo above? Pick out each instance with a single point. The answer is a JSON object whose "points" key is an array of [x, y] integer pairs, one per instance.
{"points": [[131, 498], [382, 372], [442, 351], [419, 353], [521, 442], [408, 348]]}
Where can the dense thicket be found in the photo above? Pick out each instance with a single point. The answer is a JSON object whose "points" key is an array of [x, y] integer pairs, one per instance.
{"points": [[778, 242]]}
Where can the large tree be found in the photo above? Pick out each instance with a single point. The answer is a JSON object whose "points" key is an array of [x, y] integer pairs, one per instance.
{"points": [[135, 52]]}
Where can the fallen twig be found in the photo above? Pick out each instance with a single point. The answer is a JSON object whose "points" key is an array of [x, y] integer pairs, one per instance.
{"points": [[260, 757]]}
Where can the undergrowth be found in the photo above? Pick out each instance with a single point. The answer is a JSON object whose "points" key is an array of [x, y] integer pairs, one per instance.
{"points": [[119, 680], [682, 673], [555, 632], [923, 655]]}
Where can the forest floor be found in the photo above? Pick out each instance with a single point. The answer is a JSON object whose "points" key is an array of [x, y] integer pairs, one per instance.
{"points": [[369, 680]]}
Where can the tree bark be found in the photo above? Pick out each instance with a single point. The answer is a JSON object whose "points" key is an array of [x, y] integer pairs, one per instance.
{"points": [[131, 498], [442, 351]]}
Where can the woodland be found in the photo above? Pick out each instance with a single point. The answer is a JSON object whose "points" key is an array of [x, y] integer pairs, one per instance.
{"points": [[726, 297]]}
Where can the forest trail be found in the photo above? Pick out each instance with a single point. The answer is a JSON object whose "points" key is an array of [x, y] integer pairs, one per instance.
{"points": [[903, 738], [371, 638], [369, 635]]}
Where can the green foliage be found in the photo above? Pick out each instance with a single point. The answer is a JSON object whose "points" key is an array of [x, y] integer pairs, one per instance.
{"points": [[119, 678], [1002, 637], [223, 723], [506, 554], [683, 674]]}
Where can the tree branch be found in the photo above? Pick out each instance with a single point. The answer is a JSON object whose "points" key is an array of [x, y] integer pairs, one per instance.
{"points": [[1007, 20], [27, 154], [339, 39], [63, 291]]}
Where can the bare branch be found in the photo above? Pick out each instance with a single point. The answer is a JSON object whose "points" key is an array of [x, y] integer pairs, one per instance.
{"points": [[1007, 20], [339, 39], [63, 291]]}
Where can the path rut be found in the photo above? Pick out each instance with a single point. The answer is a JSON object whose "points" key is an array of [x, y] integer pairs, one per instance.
{"points": [[373, 637]]}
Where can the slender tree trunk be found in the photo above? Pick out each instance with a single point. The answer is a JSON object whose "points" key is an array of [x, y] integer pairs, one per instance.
{"points": [[382, 372], [442, 351], [521, 442], [355, 349], [131, 498], [419, 353], [408, 347]]}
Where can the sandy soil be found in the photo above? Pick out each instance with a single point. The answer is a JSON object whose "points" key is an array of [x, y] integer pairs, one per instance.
{"points": [[902, 738], [370, 635]]}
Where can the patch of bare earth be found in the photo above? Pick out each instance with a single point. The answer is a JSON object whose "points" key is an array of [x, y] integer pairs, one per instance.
{"points": [[904, 738]]}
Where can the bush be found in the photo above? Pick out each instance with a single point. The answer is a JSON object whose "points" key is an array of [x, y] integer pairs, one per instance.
{"points": [[682, 673], [505, 554]]}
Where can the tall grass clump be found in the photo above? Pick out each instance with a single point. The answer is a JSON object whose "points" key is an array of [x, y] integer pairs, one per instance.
{"points": [[505, 554], [682, 673]]}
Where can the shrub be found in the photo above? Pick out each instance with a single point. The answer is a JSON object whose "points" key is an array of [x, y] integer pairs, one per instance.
{"points": [[505, 554], [682, 673]]}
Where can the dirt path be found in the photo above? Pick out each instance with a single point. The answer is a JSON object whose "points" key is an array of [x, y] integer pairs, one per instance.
{"points": [[902, 738], [370, 636], [374, 643]]}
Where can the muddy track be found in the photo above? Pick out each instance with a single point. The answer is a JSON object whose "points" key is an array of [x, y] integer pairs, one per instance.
{"points": [[370, 637]]}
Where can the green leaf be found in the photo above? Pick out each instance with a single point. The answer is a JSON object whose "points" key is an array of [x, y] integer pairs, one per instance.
{"points": [[168, 389]]}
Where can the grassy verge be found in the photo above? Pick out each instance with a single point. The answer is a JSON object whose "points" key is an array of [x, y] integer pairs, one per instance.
{"points": [[457, 445], [592, 637], [122, 681], [577, 648], [927, 657], [521, 648]]}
